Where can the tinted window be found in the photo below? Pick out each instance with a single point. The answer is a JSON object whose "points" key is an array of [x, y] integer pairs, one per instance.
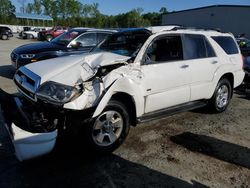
{"points": [[88, 39], [124, 43], [196, 46], [101, 37], [227, 44], [65, 38], [167, 48]]}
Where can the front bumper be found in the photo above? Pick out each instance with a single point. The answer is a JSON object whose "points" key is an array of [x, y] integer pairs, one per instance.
{"points": [[17, 61], [27, 143]]}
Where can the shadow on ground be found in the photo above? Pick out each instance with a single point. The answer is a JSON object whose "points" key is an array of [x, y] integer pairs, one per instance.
{"points": [[67, 167], [7, 71], [213, 147]]}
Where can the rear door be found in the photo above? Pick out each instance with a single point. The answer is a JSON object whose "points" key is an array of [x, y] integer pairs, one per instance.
{"points": [[201, 62]]}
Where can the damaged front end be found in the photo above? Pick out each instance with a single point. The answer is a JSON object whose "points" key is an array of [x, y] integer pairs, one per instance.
{"points": [[42, 112]]}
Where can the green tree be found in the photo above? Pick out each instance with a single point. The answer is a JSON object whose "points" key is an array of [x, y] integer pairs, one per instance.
{"points": [[7, 11], [37, 7], [163, 10], [22, 3], [29, 8], [153, 17]]}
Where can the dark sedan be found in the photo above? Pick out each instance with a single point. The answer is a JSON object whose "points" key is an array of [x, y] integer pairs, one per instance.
{"points": [[247, 69], [75, 41]]}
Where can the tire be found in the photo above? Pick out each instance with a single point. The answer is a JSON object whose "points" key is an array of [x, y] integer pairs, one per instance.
{"points": [[221, 97], [4, 37], [30, 36], [49, 37], [108, 131]]}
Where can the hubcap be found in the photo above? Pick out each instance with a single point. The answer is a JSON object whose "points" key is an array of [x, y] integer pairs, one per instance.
{"points": [[222, 96], [107, 128]]}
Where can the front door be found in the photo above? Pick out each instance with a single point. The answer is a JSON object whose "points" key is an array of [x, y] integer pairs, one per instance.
{"points": [[164, 75]]}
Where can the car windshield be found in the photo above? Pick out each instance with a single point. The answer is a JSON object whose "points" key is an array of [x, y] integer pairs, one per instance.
{"points": [[124, 43], [66, 38]]}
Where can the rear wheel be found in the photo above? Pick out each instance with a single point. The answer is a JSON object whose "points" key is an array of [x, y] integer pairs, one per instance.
{"points": [[30, 36], [109, 130], [221, 97]]}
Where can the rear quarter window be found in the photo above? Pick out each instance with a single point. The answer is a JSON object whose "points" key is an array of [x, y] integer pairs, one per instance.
{"points": [[227, 44]]}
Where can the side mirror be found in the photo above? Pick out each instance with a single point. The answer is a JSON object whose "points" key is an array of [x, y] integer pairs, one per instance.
{"points": [[75, 44]]}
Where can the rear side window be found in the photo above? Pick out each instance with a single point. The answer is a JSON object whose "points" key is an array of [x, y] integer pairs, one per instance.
{"points": [[227, 44], [197, 46]]}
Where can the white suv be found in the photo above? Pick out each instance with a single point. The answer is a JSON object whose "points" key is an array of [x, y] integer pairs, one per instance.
{"points": [[32, 34], [134, 76]]}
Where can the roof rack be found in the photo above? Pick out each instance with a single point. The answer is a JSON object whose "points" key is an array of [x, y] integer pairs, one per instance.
{"points": [[197, 28]]}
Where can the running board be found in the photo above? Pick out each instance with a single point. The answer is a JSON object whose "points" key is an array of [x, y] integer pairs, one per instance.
{"points": [[171, 111]]}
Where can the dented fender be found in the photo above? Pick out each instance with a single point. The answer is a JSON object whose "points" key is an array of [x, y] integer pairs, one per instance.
{"points": [[123, 85]]}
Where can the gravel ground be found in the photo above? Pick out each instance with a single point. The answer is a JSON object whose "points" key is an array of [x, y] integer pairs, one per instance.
{"points": [[192, 149]]}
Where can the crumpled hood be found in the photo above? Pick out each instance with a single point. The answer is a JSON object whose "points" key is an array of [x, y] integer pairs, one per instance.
{"points": [[68, 70]]}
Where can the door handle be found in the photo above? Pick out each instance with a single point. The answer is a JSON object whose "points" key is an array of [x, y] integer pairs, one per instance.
{"points": [[184, 66], [214, 62]]}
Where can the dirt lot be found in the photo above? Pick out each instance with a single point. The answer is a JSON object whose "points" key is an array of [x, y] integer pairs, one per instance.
{"points": [[192, 149]]}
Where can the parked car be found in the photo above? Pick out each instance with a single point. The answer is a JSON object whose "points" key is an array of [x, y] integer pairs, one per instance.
{"points": [[247, 69], [133, 76], [75, 41], [5, 33], [31, 34], [245, 48], [51, 33]]}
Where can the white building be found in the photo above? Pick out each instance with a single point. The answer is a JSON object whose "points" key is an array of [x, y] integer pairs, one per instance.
{"points": [[229, 18]]}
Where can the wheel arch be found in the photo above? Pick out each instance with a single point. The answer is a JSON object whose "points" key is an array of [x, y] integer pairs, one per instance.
{"points": [[129, 102], [127, 92], [230, 78]]}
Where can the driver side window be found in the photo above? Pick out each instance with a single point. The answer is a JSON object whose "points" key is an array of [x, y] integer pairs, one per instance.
{"points": [[164, 49], [88, 39]]}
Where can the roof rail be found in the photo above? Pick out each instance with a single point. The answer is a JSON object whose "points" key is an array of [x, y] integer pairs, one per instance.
{"points": [[157, 29], [197, 28]]}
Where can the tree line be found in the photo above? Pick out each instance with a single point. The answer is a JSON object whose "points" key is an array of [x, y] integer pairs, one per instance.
{"points": [[74, 13]]}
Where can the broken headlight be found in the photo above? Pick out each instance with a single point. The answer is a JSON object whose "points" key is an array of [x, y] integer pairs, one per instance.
{"points": [[58, 93]]}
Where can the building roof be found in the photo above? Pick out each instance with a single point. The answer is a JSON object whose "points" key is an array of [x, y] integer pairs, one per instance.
{"points": [[33, 16], [212, 6]]}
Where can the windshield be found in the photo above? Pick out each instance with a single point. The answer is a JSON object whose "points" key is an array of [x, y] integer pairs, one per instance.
{"points": [[66, 38], [124, 43]]}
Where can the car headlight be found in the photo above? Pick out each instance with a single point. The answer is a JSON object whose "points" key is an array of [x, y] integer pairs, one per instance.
{"points": [[27, 56], [58, 93]]}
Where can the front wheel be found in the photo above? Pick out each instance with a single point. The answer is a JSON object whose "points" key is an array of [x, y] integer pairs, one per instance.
{"points": [[109, 130], [4, 37], [221, 97]]}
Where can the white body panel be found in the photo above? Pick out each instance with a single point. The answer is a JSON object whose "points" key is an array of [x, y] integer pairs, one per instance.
{"points": [[153, 87], [173, 90], [30, 145]]}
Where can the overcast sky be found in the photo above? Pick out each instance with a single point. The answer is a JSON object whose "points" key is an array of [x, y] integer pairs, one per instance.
{"points": [[113, 7]]}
